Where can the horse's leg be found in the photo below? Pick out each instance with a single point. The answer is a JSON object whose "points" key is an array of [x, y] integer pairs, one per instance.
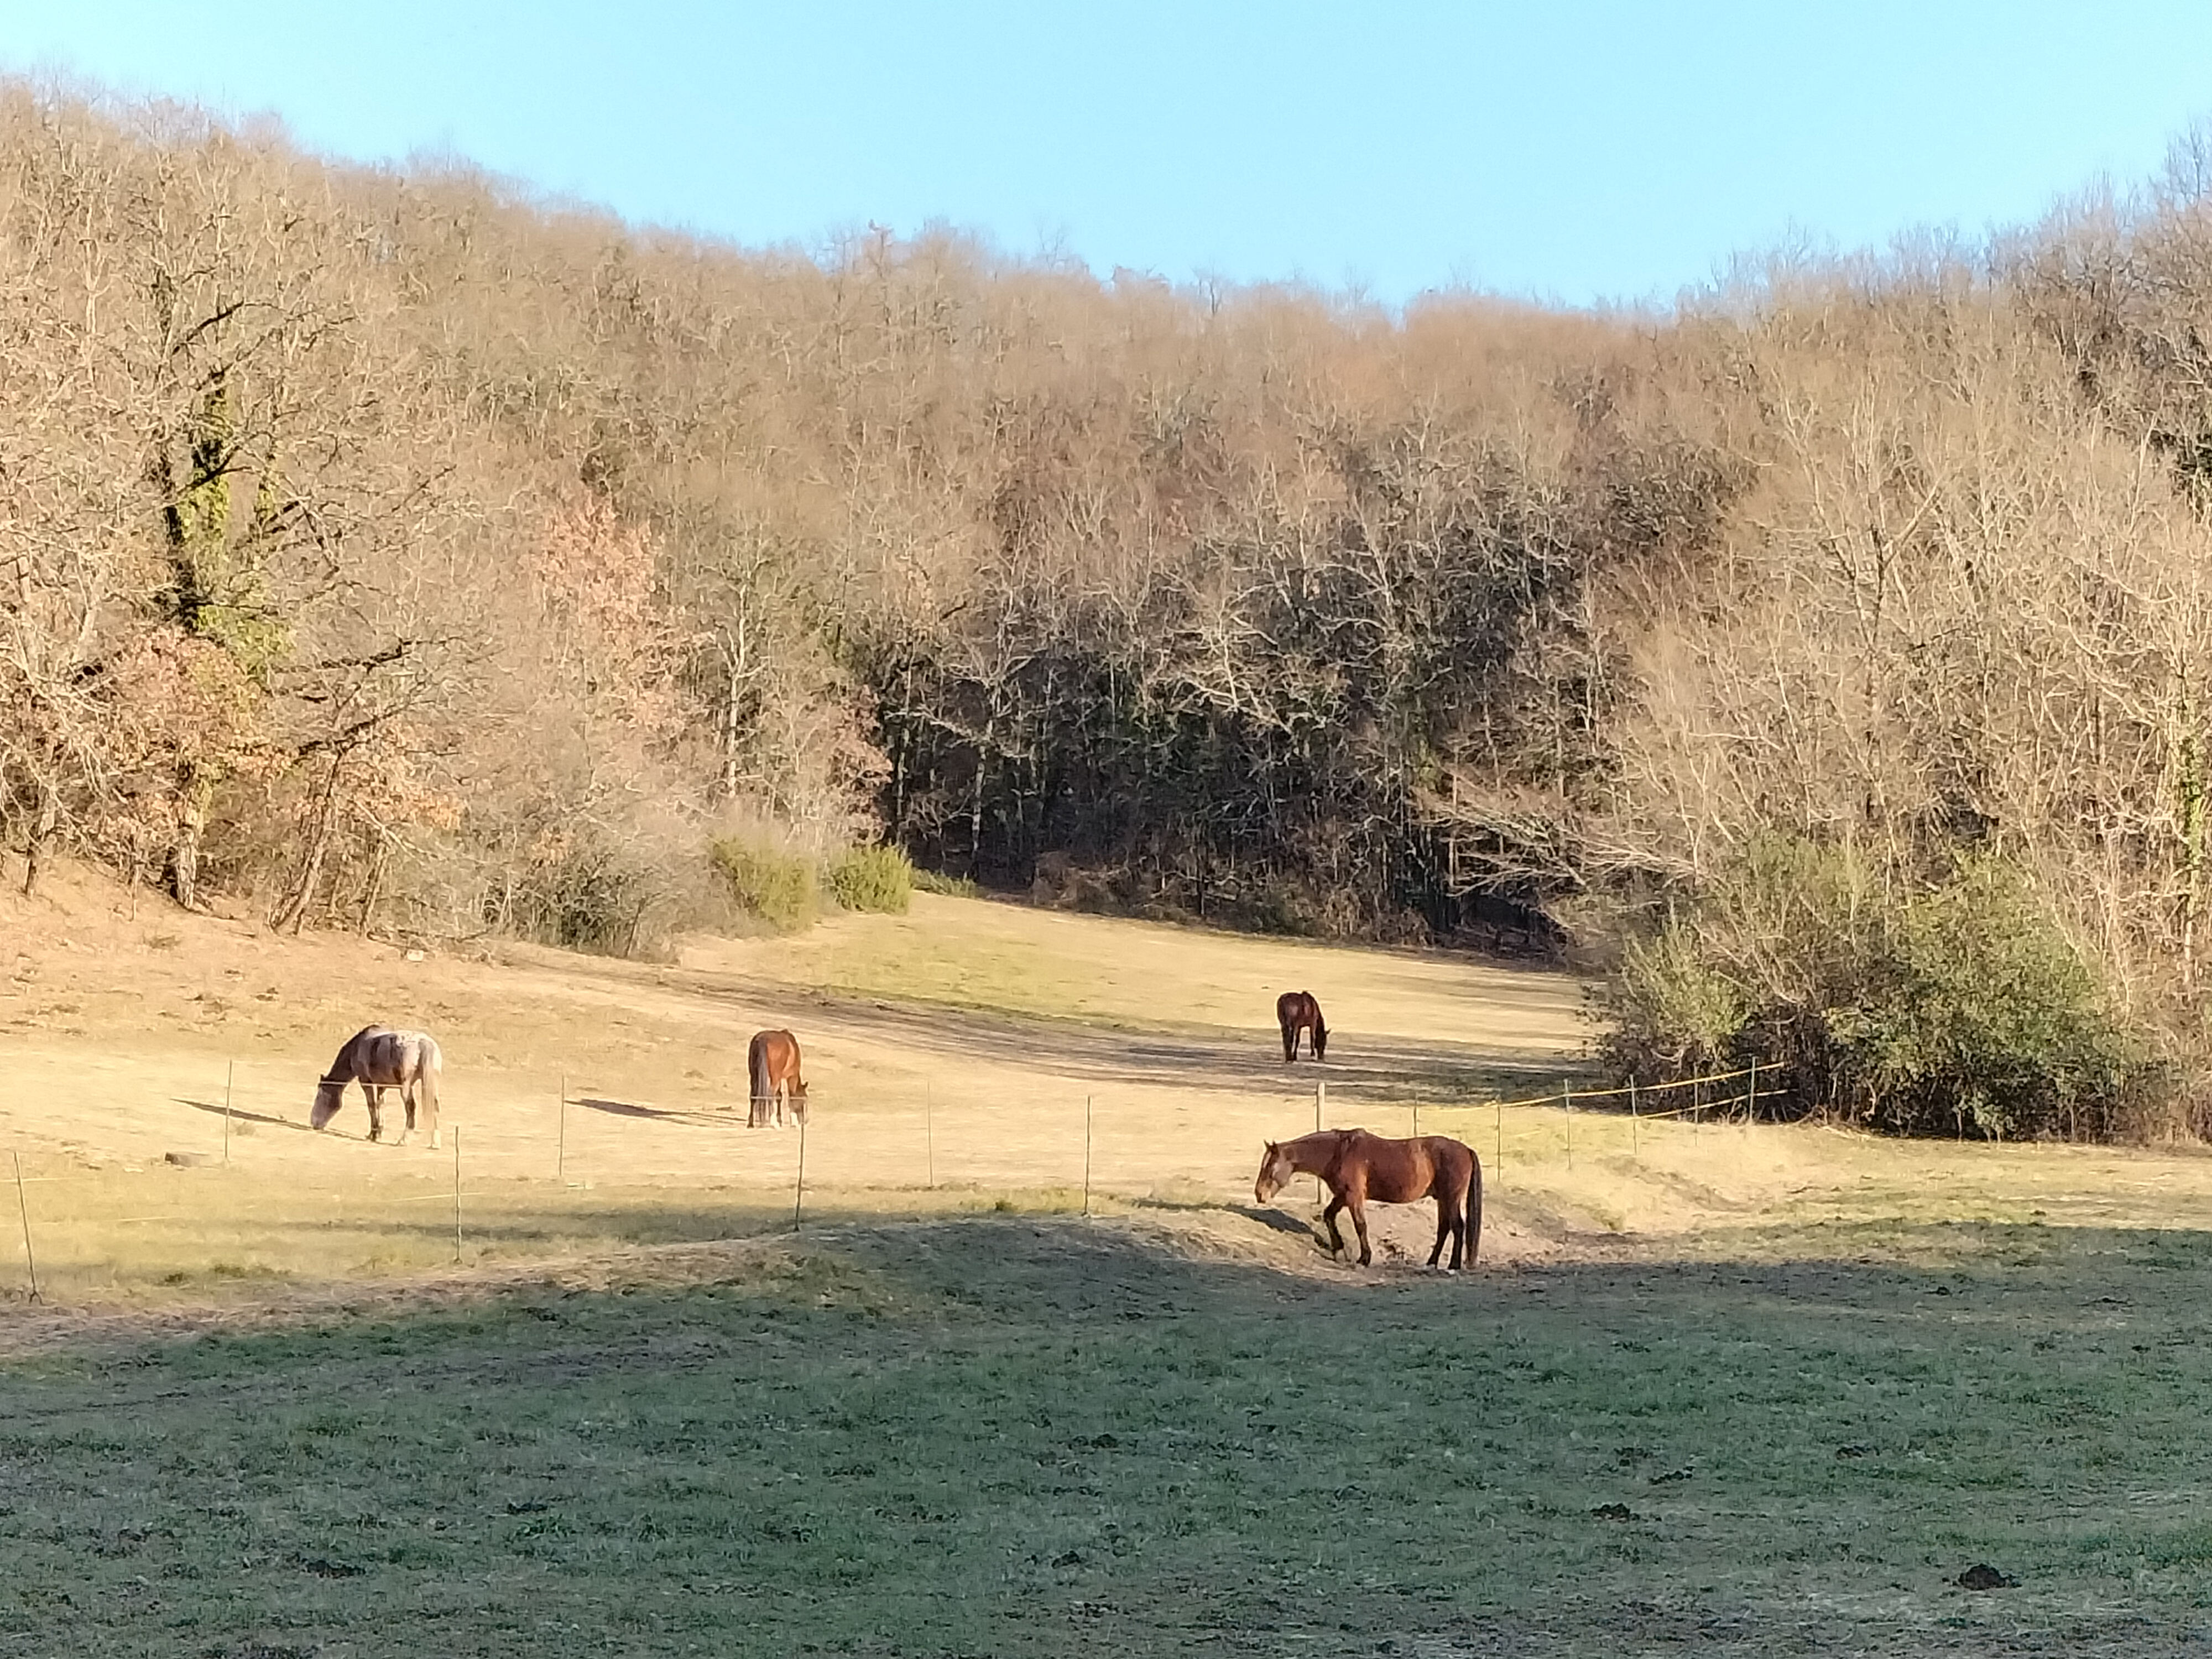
{"points": [[1336, 1238], [375, 1110], [1290, 1044], [1359, 1224], [1444, 1230], [407, 1100]]}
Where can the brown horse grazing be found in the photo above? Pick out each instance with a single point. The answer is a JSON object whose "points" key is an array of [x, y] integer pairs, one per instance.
{"points": [[378, 1059], [1297, 1011], [1359, 1166], [772, 1062]]}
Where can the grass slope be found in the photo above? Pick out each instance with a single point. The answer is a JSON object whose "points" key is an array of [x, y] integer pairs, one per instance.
{"points": [[1040, 1436]]}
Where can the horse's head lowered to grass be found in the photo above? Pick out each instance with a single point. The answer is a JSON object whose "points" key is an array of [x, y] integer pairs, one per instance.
{"points": [[329, 1095], [1276, 1169]]}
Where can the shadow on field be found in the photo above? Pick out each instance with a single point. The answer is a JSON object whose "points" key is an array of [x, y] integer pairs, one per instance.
{"points": [[1385, 1071], [713, 1120], [239, 1114], [1052, 1436]]}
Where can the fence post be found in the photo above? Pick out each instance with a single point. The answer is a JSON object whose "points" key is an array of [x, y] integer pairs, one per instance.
{"points": [[1417, 1119], [1086, 1154], [1498, 1164], [1567, 1095], [929, 1134], [1320, 1102], [229, 1075], [1751, 1101], [799, 1187], [1635, 1145], [456, 1193], [561, 1136], [23, 1204]]}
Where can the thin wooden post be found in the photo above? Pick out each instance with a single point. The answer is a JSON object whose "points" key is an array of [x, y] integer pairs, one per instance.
{"points": [[23, 1204], [1321, 1104], [229, 1075], [1567, 1095], [457, 1193], [1498, 1164], [929, 1134], [1417, 1119], [1751, 1101], [1635, 1143], [561, 1135], [799, 1187], [1086, 1154]]}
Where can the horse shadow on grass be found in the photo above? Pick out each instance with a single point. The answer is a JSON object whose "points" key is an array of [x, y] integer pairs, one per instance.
{"points": [[239, 1114], [723, 1119]]}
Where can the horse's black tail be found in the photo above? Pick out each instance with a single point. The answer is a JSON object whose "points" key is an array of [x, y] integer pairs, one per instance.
{"points": [[756, 1074], [1473, 1208]]}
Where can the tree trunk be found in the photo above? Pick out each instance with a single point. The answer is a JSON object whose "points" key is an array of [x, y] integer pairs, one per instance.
{"points": [[44, 822], [184, 857], [294, 910], [375, 887]]}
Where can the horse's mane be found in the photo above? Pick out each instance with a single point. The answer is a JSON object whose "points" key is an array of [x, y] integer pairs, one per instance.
{"points": [[342, 1068]]}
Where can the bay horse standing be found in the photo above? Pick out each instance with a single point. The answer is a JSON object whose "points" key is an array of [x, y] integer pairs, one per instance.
{"points": [[378, 1057], [1359, 1166], [1297, 1011], [772, 1063]]}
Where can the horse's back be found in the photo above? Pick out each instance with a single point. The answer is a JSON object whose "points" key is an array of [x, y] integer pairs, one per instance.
{"points": [[1405, 1171], [384, 1056], [776, 1054]]}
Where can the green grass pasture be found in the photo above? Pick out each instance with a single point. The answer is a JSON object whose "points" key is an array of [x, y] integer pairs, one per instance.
{"points": [[1036, 1435]]}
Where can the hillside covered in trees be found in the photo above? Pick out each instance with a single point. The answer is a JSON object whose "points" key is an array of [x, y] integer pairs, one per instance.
{"points": [[1831, 657]]}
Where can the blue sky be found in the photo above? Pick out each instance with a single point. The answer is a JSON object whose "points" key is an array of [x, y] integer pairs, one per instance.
{"points": [[1567, 152]]}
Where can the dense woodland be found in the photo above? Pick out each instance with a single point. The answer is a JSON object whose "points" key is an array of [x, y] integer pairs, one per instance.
{"points": [[1829, 658]]}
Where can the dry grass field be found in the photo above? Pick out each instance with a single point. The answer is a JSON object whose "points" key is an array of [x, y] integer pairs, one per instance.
{"points": [[953, 1055], [1714, 1388]]}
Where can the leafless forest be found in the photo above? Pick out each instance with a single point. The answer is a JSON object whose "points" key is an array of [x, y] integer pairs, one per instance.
{"points": [[1830, 656]]}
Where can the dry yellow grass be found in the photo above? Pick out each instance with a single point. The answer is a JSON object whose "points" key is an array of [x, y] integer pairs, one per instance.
{"points": [[953, 1055]]}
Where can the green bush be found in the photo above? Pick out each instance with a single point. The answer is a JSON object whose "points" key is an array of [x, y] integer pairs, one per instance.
{"points": [[1954, 1005], [872, 878], [769, 884], [596, 896], [931, 881]]}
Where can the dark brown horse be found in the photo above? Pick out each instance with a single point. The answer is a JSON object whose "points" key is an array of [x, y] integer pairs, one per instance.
{"points": [[1359, 1166], [772, 1063], [1297, 1011]]}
